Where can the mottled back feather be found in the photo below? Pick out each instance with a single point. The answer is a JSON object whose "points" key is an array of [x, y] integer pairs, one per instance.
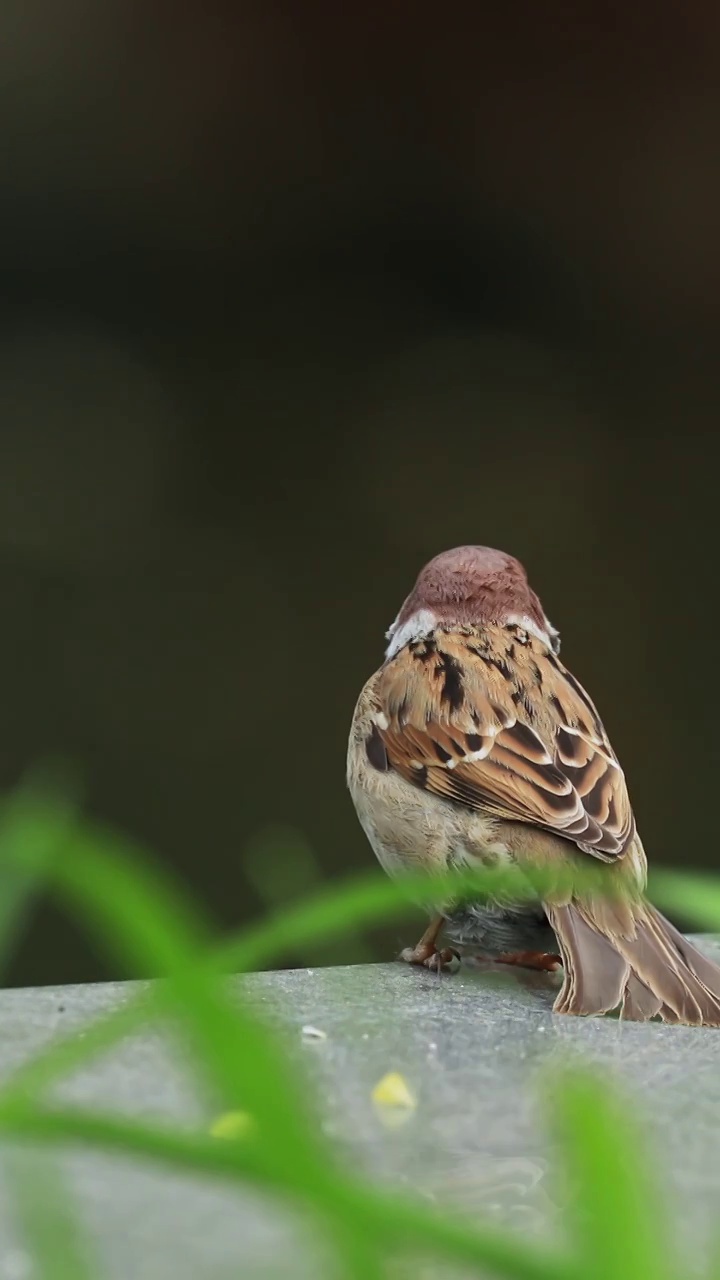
{"points": [[490, 718]]}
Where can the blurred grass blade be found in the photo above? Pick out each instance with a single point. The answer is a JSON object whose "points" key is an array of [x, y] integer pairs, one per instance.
{"points": [[138, 914], [696, 896], [146, 921], [619, 1223], [282, 868], [714, 1267], [70, 1051], [328, 913], [38, 828], [45, 1213], [361, 1248], [18, 891], [141, 917], [333, 910], [280, 864], [392, 1219]]}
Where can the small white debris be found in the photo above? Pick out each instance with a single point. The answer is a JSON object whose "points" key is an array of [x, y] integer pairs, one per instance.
{"points": [[365, 1035], [313, 1033]]}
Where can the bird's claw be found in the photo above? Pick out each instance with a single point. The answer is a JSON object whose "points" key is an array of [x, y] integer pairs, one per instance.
{"points": [[445, 961]]}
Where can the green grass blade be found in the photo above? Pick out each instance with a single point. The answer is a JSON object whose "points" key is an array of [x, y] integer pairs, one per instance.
{"points": [[362, 1251], [392, 1219], [46, 1214], [324, 916], [144, 920], [714, 1267], [328, 913], [137, 917], [619, 1224], [333, 910], [41, 829], [70, 1051], [697, 896], [140, 916]]}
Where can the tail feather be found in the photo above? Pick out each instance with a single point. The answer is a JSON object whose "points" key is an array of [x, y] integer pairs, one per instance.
{"points": [[596, 974], [639, 1003], [646, 971]]}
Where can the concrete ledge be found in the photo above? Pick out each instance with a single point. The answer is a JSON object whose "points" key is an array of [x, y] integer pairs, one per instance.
{"points": [[470, 1047]]}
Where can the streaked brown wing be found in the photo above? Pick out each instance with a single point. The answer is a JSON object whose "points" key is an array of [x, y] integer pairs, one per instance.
{"points": [[493, 720]]}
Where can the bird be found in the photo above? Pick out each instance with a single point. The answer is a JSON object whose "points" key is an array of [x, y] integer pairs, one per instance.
{"points": [[472, 746]]}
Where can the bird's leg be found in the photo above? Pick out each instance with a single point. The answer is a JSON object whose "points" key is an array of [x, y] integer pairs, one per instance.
{"points": [[425, 951], [542, 960]]}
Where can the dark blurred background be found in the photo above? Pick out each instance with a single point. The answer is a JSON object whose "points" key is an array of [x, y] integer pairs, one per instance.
{"points": [[294, 297]]}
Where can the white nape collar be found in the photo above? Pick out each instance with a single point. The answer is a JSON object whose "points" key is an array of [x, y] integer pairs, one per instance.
{"points": [[416, 627], [421, 623], [550, 637]]}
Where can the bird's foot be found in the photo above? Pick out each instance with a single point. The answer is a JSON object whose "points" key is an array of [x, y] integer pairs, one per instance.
{"points": [[544, 961], [427, 955]]}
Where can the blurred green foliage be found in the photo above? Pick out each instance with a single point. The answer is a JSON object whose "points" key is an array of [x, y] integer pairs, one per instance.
{"points": [[617, 1226]]}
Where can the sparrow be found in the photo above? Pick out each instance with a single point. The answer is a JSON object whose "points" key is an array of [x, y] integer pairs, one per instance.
{"points": [[474, 746]]}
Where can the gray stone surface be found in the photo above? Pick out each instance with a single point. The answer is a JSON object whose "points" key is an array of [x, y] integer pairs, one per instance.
{"points": [[471, 1047]]}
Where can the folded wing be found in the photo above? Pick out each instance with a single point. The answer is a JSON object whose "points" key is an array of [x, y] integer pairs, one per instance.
{"points": [[494, 721]]}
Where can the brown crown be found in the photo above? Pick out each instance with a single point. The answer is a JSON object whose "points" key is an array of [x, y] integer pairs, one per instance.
{"points": [[472, 585]]}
